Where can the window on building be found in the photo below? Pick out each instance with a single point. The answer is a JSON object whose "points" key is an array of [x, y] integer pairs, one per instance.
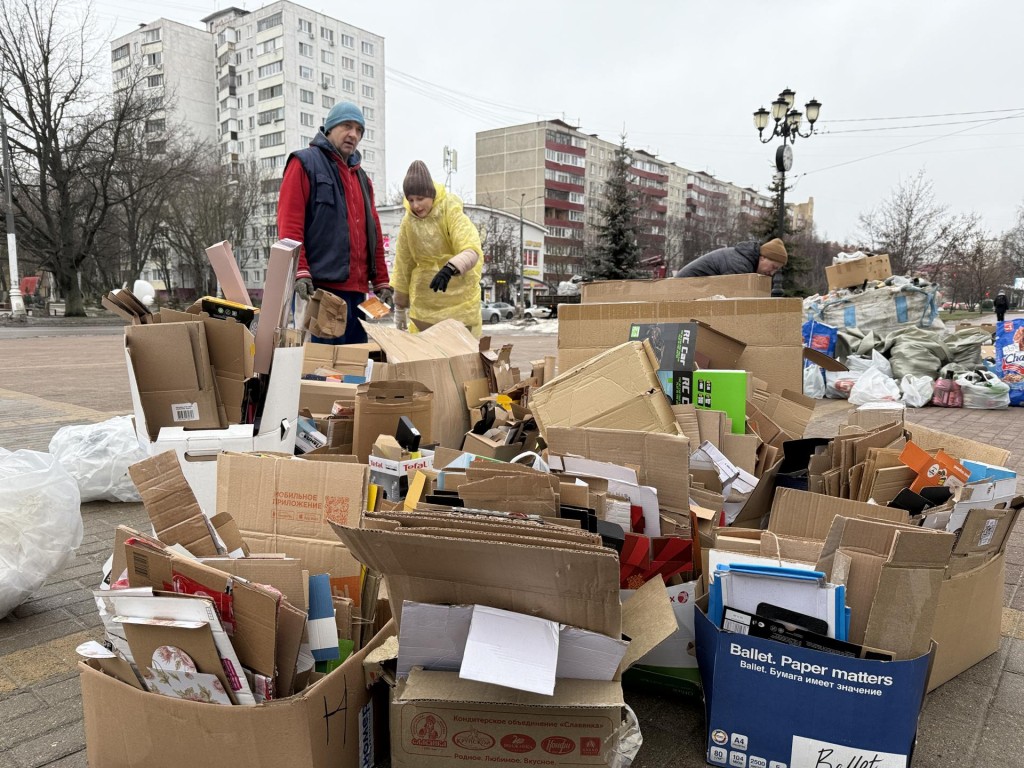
{"points": [[328, 102], [327, 34], [272, 139], [306, 73], [153, 126], [368, 91], [326, 80], [307, 119], [370, 133], [252, 142], [119, 53], [273, 20], [154, 59], [348, 86], [306, 49], [306, 27], [154, 81], [151, 36], [367, 48], [347, 62], [270, 209], [270, 186], [367, 70], [156, 147], [306, 97], [252, 100], [268, 116], [248, 77], [369, 155], [327, 57], [348, 41], [277, 161], [268, 46], [271, 69], [369, 113], [306, 140], [271, 229], [270, 93]]}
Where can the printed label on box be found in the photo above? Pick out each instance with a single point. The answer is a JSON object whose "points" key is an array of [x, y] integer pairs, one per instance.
{"points": [[185, 411], [811, 753], [988, 533]]}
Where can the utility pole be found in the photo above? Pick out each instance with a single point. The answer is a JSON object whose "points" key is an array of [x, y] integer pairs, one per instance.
{"points": [[17, 303], [521, 303]]}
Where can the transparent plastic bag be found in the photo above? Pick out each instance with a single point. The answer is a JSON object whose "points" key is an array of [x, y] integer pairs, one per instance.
{"points": [[40, 523], [97, 456], [917, 390], [814, 382], [872, 387], [838, 384]]}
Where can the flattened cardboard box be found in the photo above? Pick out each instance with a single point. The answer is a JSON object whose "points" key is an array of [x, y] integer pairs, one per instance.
{"points": [[619, 389], [286, 505], [329, 725], [677, 289]]}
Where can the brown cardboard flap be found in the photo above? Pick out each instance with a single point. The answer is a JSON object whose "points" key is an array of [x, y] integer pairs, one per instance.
{"points": [[513, 577], [449, 338], [171, 504], [958, 447], [647, 620], [426, 686], [663, 459], [826, 362], [810, 515]]}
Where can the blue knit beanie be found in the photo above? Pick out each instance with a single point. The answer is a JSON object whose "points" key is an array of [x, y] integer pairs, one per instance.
{"points": [[342, 111]]}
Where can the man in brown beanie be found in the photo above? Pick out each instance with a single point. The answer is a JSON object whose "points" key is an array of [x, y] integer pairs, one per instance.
{"points": [[739, 259]]}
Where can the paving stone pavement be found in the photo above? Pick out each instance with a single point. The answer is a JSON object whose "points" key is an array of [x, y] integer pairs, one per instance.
{"points": [[47, 381]]}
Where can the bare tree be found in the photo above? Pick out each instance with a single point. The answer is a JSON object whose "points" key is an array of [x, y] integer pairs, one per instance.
{"points": [[499, 238], [65, 135], [214, 203], [1013, 244], [913, 228]]}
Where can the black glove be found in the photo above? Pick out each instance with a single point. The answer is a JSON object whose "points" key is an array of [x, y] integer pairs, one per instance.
{"points": [[304, 288], [440, 281], [386, 294]]}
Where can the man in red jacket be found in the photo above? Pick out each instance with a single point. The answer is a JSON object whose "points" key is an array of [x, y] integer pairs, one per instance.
{"points": [[326, 202]]}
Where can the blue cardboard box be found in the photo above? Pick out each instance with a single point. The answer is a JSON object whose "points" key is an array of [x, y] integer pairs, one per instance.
{"points": [[772, 705]]}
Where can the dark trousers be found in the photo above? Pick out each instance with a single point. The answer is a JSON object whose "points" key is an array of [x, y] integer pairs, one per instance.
{"points": [[354, 332], [1000, 315]]}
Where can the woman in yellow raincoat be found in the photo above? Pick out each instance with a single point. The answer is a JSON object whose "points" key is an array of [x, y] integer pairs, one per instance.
{"points": [[438, 258]]}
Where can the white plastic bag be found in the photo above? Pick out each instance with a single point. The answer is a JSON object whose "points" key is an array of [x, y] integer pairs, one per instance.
{"points": [[917, 390], [40, 523], [872, 387], [814, 382], [839, 384], [98, 457], [863, 364], [984, 390]]}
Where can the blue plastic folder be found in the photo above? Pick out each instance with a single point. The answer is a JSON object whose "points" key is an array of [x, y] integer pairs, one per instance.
{"points": [[744, 587]]}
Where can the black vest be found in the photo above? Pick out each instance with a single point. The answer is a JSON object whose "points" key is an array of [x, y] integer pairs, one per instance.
{"points": [[327, 243]]}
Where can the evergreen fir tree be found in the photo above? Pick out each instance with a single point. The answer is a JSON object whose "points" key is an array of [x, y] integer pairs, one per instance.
{"points": [[797, 269], [617, 253]]}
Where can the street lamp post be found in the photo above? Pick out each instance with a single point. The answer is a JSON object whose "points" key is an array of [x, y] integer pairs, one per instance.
{"points": [[520, 301], [17, 303], [787, 126]]}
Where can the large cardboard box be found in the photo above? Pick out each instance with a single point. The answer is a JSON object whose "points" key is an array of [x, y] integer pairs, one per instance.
{"points": [[770, 328], [286, 505], [677, 289], [848, 274], [332, 724], [618, 389], [442, 358], [197, 449], [772, 704], [171, 374], [968, 620], [380, 405]]}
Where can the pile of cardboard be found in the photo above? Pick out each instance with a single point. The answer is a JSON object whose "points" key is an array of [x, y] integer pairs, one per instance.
{"points": [[654, 511]]}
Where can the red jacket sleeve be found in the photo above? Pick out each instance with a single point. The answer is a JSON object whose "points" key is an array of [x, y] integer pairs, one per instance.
{"points": [[383, 278], [291, 210]]}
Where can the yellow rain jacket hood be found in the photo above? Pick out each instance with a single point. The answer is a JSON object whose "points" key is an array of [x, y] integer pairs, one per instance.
{"points": [[425, 246]]}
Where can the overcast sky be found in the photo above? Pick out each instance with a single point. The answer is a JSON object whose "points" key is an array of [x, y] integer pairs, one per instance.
{"points": [[683, 77]]}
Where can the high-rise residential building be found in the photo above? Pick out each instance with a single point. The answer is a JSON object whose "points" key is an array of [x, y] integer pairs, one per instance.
{"points": [[173, 63], [258, 85], [559, 174]]}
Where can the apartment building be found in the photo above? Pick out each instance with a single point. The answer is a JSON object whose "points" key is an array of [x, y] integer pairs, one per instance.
{"points": [[558, 174], [258, 85]]}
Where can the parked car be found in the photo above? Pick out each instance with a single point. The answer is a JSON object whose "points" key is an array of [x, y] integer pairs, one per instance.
{"points": [[538, 313], [496, 311], [949, 306]]}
